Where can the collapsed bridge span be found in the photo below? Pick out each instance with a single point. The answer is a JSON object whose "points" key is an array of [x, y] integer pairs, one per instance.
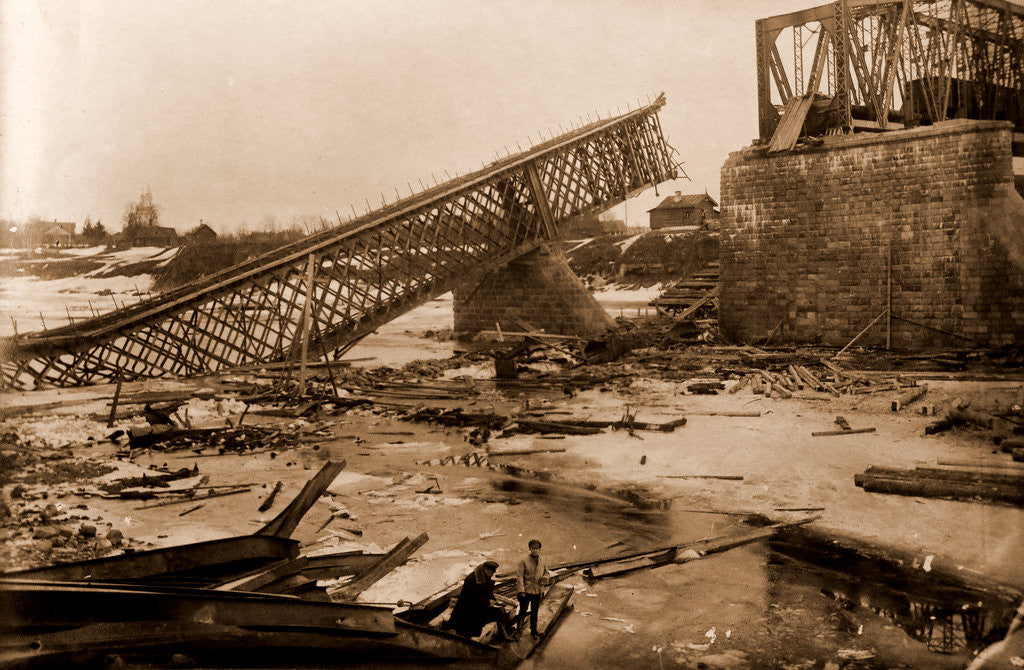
{"points": [[341, 284]]}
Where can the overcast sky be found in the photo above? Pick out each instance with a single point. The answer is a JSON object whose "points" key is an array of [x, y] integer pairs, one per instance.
{"points": [[233, 111]]}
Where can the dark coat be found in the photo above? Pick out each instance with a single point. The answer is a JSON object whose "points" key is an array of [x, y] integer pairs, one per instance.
{"points": [[473, 609]]}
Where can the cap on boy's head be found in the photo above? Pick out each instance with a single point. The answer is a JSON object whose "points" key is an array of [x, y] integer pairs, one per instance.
{"points": [[491, 565], [534, 544]]}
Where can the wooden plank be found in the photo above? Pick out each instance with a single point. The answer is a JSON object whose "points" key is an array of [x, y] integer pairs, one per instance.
{"points": [[552, 608], [792, 123], [979, 463], [73, 604], [161, 562], [684, 553], [306, 313], [736, 478], [909, 397], [113, 403], [852, 431], [284, 523], [394, 558]]}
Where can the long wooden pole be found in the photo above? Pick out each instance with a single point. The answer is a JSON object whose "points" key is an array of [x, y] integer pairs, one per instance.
{"points": [[305, 323], [888, 301], [861, 333], [327, 362], [113, 404]]}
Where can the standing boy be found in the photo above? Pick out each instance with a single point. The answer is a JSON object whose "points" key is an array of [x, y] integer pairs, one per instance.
{"points": [[531, 578]]}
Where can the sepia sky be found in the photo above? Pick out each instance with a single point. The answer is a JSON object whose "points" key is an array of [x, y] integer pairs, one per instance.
{"points": [[235, 111]]}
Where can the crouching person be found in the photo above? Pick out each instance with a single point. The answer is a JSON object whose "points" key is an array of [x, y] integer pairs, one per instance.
{"points": [[476, 604]]}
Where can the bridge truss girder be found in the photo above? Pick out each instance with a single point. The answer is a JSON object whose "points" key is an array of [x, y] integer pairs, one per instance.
{"points": [[347, 281], [915, 60]]}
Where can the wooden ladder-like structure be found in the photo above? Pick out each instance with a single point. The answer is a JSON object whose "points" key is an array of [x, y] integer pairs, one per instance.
{"points": [[345, 282]]}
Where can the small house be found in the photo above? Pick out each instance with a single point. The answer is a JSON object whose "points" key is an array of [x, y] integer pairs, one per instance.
{"points": [[153, 236], [201, 234], [58, 234], [698, 209]]}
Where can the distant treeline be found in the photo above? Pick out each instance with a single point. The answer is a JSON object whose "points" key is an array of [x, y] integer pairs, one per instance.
{"points": [[198, 260]]}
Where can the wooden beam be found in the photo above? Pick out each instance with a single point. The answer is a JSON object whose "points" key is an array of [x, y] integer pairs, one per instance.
{"points": [[391, 560], [284, 523]]}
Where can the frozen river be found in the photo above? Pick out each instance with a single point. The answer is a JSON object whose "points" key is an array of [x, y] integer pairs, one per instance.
{"points": [[28, 303]]}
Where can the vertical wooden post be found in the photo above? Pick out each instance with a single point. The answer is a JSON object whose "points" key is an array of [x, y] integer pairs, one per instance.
{"points": [[113, 403], [305, 323], [327, 362], [888, 300], [764, 94]]}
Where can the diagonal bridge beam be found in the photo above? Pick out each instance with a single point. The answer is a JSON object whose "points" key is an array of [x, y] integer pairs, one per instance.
{"points": [[359, 275]]}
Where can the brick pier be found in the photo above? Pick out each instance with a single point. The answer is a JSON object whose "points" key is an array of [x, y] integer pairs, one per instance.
{"points": [[807, 236]]}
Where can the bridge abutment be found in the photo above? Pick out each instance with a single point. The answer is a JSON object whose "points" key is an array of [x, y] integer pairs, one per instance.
{"points": [[924, 222], [537, 288]]}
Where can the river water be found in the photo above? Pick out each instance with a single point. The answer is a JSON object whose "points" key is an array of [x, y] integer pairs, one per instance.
{"points": [[748, 607]]}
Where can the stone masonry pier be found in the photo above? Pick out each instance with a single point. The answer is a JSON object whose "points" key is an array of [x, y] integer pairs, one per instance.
{"points": [[925, 221], [538, 288]]}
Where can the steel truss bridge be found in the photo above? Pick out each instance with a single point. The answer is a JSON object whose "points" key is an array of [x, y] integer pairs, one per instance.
{"points": [[329, 290], [886, 63]]}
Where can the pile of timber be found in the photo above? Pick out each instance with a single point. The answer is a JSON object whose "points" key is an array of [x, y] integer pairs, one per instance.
{"points": [[934, 482], [826, 377]]}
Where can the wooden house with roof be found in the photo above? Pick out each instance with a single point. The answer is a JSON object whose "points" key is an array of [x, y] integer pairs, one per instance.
{"points": [[698, 209]]}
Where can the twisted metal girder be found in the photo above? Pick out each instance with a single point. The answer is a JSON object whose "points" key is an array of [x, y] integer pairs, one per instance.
{"points": [[354, 278], [915, 60]]}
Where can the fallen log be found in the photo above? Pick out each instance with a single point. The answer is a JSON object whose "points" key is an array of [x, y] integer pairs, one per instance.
{"points": [[778, 387], [909, 397], [923, 473], [394, 558], [942, 425], [744, 380], [534, 426], [737, 478], [852, 431], [269, 502], [284, 523], [194, 498], [1009, 444], [593, 427], [684, 553], [979, 463], [752, 414], [811, 378], [966, 415], [705, 388], [525, 452], [838, 371], [935, 488]]}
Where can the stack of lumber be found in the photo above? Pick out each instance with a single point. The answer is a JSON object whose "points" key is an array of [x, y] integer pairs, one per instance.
{"points": [[785, 379], [1005, 486]]}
